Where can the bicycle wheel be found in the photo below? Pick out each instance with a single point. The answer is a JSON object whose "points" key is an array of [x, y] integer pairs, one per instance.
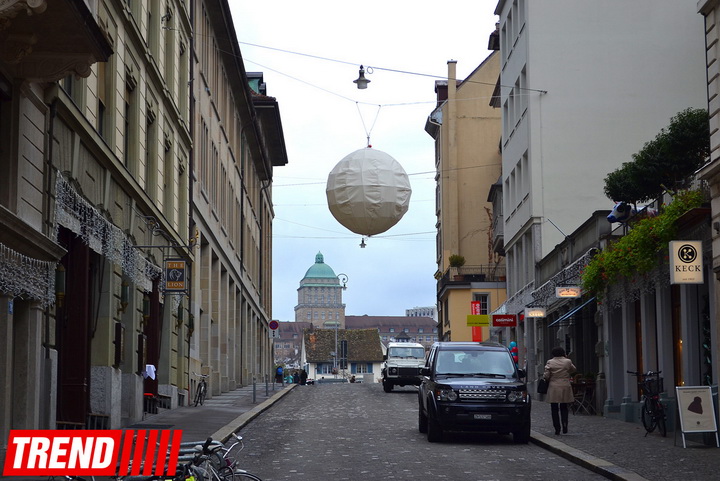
{"points": [[200, 395], [660, 417], [648, 419], [241, 475], [236, 474]]}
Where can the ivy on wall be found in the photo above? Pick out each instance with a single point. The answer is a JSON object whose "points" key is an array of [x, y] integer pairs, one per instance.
{"points": [[637, 252]]}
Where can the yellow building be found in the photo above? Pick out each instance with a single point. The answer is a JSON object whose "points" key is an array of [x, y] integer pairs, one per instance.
{"points": [[466, 129]]}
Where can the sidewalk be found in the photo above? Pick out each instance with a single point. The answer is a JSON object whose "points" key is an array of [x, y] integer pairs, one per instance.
{"points": [[219, 416], [619, 450]]}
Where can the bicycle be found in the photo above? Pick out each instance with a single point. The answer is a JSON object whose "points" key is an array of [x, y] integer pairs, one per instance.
{"points": [[652, 412], [201, 390]]}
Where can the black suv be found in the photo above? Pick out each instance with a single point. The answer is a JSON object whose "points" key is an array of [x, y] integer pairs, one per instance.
{"points": [[473, 386]]}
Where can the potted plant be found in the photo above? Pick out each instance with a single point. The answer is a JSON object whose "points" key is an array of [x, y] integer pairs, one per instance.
{"points": [[456, 261]]}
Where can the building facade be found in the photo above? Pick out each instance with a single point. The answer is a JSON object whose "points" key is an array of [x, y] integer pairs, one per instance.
{"points": [[429, 311], [423, 330], [466, 129], [104, 314], [239, 140], [320, 296], [561, 110], [710, 9]]}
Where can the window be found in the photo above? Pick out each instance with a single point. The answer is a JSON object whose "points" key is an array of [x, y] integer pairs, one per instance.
{"points": [[420, 330], [484, 300], [362, 368], [324, 368], [392, 329]]}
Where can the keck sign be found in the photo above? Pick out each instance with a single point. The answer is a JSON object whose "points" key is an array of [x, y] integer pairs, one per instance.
{"points": [[686, 262]]}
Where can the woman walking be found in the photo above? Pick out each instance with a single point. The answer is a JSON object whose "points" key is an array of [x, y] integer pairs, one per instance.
{"points": [[560, 394]]}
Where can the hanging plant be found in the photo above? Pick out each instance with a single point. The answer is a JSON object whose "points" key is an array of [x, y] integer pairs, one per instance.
{"points": [[637, 251]]}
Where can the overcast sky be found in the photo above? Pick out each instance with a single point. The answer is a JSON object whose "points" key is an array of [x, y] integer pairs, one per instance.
{"points": [[325, 117]]}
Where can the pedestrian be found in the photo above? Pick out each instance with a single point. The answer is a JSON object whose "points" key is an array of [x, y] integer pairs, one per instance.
{"points": [[279, 375], [303, 377], [560, 393], [296, 377]]}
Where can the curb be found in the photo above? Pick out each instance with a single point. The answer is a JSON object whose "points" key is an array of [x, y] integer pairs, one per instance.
{"points": [[597, 465], [224, 434]]}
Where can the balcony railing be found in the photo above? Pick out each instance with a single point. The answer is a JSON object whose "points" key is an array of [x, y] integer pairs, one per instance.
{"points": [[469, 274]]}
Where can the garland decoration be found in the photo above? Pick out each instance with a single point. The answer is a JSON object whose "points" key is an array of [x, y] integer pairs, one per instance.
{"points": [[22, 276], [102, 236]]}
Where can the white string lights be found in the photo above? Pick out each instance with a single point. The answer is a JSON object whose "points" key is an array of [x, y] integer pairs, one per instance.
{"points": [[25, 277], [103, 237]]}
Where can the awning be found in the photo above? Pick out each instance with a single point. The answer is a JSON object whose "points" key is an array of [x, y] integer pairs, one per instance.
{"points": [[571, 312]]}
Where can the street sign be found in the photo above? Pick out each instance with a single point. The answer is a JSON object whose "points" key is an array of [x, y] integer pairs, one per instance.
{"points": [[273, 325], [274, 334]]}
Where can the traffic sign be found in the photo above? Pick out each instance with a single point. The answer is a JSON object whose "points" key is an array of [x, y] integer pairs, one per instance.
{"points": [[273, 325]]}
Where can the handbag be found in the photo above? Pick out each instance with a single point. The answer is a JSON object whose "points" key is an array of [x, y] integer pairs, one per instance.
{"points": [[542, 386]]}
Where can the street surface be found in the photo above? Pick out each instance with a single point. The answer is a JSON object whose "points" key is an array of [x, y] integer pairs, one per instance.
{"points": [[335, 432]]}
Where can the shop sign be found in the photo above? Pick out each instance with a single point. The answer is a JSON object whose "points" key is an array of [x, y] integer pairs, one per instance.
{"points": [[686, 263], [175, 275], [534, 312], [504, 320], [568, 292], [478, 320]]}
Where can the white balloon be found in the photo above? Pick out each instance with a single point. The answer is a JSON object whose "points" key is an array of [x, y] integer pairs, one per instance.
{"points": [[368, 192]]}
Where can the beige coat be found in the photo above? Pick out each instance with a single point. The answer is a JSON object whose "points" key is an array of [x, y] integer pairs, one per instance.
{"points": [[558, 370]]}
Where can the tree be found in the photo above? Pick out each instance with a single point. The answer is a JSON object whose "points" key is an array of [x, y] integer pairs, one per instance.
{"points": [[666, 162]]}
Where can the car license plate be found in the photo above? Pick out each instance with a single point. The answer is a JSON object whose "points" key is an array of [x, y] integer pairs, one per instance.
{"points": [[483, 416]]}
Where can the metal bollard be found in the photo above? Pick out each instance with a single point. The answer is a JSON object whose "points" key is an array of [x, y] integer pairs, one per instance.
{"points": [[267, 391], [254, 391]]}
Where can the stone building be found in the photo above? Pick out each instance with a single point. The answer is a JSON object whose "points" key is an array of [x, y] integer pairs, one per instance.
{"points": [[320, 296], [103, 159]]}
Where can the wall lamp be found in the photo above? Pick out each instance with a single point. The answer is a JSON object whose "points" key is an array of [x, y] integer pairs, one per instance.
{"points": [[180, 315], [343, 278], [124, 297], [146, 310], [361, 81], [60, 284]]}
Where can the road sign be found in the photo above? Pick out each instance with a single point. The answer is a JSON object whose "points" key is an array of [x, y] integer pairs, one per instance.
{"points": [[274, 334], [273, 325]]}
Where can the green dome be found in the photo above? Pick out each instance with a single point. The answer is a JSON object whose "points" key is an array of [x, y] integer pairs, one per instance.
{"points": [[320, 270]]}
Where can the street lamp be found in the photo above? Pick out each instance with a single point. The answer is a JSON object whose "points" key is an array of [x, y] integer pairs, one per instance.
{"points": [[343, 278]]}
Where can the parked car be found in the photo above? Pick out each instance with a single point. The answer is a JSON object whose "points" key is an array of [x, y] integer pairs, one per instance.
{"points": [[402, 365], [473, 386]]}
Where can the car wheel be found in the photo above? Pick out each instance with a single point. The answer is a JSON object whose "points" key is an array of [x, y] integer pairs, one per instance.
{"points": [[523, 435], [387, 387], [422, 421], [434, 431]]}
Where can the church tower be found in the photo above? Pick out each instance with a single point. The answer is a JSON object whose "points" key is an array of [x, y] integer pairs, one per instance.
{"points": [[320, 296]]}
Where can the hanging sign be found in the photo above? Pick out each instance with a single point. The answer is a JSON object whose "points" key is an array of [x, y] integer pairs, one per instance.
{"points": [[478, 320], [475, 308], [175, 275], [686, 264], [534, 312], [504, 320], [567, 291], [697, 410]]}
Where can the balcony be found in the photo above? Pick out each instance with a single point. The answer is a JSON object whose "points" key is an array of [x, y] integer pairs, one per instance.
{"points": [[465, 275]]}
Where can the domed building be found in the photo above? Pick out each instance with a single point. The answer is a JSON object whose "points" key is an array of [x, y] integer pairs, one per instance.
{"points": [[320, 297]]}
